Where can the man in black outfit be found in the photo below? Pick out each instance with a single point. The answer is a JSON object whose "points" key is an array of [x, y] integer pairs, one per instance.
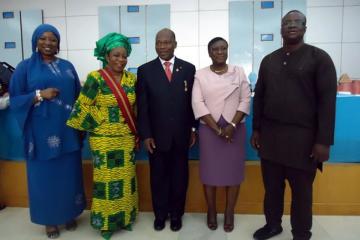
{"points": [[165, 121], [293, 125]]}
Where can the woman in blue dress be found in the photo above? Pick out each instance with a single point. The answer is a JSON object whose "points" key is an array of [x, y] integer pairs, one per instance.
{"points": [[43, 89]]}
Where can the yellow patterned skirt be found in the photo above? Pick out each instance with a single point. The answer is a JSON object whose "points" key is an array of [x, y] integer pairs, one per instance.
{"points": [[115, 197]]}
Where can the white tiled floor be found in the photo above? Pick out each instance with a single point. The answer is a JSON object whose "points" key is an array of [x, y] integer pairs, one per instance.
{"points": [[15, 225]]}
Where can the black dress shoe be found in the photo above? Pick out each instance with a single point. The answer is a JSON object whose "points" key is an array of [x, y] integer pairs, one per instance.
{"points": [[267, 232], [175, 224], [159, 224]]}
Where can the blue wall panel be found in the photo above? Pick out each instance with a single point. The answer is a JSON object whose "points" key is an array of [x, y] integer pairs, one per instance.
{"points": [[254, 31], [266, 21], [157, 18], [109, 20], [289, 5], [18, 30], [241, 34], [140, 23], [133, 25], [30, 19], [11, 141], [10, 31], [345, 149]]}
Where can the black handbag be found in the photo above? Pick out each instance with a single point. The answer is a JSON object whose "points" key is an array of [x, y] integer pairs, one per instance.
{"points": [[6, 70]]}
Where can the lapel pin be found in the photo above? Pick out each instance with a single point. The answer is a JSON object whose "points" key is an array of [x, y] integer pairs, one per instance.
{"points": [[185, 86]]}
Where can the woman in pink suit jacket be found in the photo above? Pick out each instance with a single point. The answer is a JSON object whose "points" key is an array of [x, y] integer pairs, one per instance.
{"points": [[221, 100]]}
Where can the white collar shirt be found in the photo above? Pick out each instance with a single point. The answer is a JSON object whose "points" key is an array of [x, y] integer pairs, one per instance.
{"points": [[172, 61]]}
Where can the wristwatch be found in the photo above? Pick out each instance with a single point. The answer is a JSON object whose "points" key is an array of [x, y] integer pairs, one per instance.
{"points": [[232, 124], [38, 95]]}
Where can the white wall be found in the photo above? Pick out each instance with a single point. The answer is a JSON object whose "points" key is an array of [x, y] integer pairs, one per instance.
{"points": [[332, 25]]}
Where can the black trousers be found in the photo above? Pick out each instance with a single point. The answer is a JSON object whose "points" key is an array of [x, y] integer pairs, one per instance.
{"points": [[169, 174], [301, 182]]}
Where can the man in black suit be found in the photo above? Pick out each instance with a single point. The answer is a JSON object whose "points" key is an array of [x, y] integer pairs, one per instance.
{"points": [[293, 125], [165, 123]]}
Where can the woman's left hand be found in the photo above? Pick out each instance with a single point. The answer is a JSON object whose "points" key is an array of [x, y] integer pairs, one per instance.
{"points": [[228, 132]]}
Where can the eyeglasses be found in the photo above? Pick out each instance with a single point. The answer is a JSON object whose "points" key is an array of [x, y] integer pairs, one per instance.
{"points": [[295, 23]]}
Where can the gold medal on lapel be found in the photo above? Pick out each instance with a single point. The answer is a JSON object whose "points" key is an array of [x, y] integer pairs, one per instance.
{"points": [[185, 86]]}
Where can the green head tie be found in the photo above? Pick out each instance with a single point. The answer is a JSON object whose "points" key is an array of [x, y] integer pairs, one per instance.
{"points": [[109, 42]]}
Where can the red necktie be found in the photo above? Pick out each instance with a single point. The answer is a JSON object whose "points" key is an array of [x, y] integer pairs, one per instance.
{"points": [[167, 70]]}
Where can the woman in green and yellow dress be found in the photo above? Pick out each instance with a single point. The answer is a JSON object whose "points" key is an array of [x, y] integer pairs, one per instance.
{"points": [[105, 110]]}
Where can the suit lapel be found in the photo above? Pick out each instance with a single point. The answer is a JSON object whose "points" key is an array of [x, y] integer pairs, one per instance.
{"points": [[176, 70]]}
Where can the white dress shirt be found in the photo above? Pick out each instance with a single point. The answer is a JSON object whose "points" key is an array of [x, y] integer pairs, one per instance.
{"points": [[172, 61]]}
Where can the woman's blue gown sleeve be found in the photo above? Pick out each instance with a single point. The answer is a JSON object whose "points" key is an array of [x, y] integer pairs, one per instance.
{"points": [[21, 101]]}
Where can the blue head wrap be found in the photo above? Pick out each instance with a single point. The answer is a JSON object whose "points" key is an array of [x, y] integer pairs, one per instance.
{"points": [[36, 62], [36, 65], [40, 31]]}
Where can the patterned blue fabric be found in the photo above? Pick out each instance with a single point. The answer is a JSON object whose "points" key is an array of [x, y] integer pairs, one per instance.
{"points": [[52, 150], [45, 133]]}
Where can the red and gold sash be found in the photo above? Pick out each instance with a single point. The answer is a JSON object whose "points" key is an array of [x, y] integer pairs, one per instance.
{"points": [[121, 99]]}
